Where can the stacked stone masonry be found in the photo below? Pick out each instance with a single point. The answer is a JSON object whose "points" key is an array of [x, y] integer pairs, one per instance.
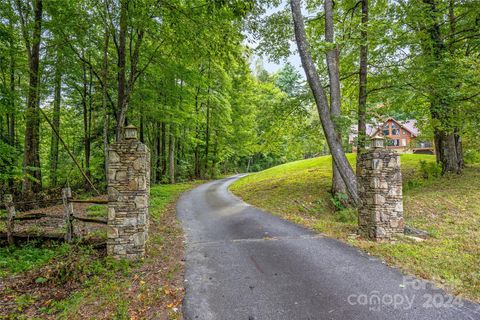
{"points": [[128, 196], [380, 187]]}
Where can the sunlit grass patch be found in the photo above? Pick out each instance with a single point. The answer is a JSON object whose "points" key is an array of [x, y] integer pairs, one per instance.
{"points": [[97, 210], [14, 260]]}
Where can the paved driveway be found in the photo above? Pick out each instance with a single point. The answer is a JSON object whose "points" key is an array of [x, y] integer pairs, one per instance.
{"points": [[243, 263]]}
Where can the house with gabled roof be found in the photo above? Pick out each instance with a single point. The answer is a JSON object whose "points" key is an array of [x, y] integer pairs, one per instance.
{"points": [[401, 136]]}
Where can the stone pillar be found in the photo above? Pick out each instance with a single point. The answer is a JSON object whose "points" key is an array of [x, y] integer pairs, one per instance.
{"points": [[380, 215], [128, 196]]}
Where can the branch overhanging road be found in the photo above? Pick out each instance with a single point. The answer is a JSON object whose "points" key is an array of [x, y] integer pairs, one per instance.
{"points": [[243, 263]]}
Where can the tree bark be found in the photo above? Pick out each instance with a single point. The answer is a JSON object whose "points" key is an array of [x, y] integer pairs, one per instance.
{"points": [[142, 123], [125, 87], [338, 186], [328, 126], [164, 148], [215, 154], [448, 143], [121, 72], [106, 117], [56, 119], [459, 150], [448, 149], [158, 141], [86, 126], [197, 168], [362, 87], [207, 133], [171, 154], [11, 116], [33, 176]]}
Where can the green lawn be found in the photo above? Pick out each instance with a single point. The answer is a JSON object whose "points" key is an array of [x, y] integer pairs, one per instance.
{"points": [[448, 208]]}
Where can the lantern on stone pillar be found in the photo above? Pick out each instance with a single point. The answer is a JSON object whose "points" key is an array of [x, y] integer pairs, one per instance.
{"points": [[378, 142], [130, 132]]}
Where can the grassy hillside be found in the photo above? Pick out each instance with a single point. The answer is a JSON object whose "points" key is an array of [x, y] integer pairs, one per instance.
{"points": [[448, 208]]}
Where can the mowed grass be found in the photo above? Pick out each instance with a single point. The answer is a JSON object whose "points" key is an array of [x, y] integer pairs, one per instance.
{"points": [[448, 208]]}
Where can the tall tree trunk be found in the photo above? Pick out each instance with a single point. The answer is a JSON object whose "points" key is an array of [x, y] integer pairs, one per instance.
{"points": [[121, 71], [449, 147], [338, 186], [178, 150], [448, 143], [197, 168], [86, 127], [90, 120], [158, 141], [106, 116], [207, 133], [362, 86], [164, 148], [142, 124], [7, 123], [125, 87], [171, 154], [142, 114], [197, 162], [11, 115], [56, 120], [456, 131], [33, 178], [331, 135], [11, 118], [459, 150], [215, 154], [11, 126]]}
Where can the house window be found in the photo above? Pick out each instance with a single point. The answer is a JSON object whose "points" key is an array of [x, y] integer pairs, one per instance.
{"points": [[393, 142], [386, 131], [404, 142], [395, 129], [404, 132]]}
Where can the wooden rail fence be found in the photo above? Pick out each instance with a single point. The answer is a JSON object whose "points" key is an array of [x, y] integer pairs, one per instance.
{"points": [[68, 215]]}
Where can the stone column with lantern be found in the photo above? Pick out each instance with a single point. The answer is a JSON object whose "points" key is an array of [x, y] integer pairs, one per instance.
{"points": [[128, 196], [380, 214]]}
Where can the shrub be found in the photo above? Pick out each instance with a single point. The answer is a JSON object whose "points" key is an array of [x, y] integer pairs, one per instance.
{"points": [[412, 184], [472, 156], [347, 216], [430, 170], [340, 201]]}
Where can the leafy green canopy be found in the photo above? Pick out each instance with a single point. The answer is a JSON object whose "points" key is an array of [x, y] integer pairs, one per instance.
{"points": [[189, 89]]}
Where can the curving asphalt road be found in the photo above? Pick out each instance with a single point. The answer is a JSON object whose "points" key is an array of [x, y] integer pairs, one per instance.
{"points": [[243, 263]]}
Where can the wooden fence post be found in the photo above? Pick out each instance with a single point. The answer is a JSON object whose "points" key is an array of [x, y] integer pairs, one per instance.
{"points": [[68, 215], [8, 200]]}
